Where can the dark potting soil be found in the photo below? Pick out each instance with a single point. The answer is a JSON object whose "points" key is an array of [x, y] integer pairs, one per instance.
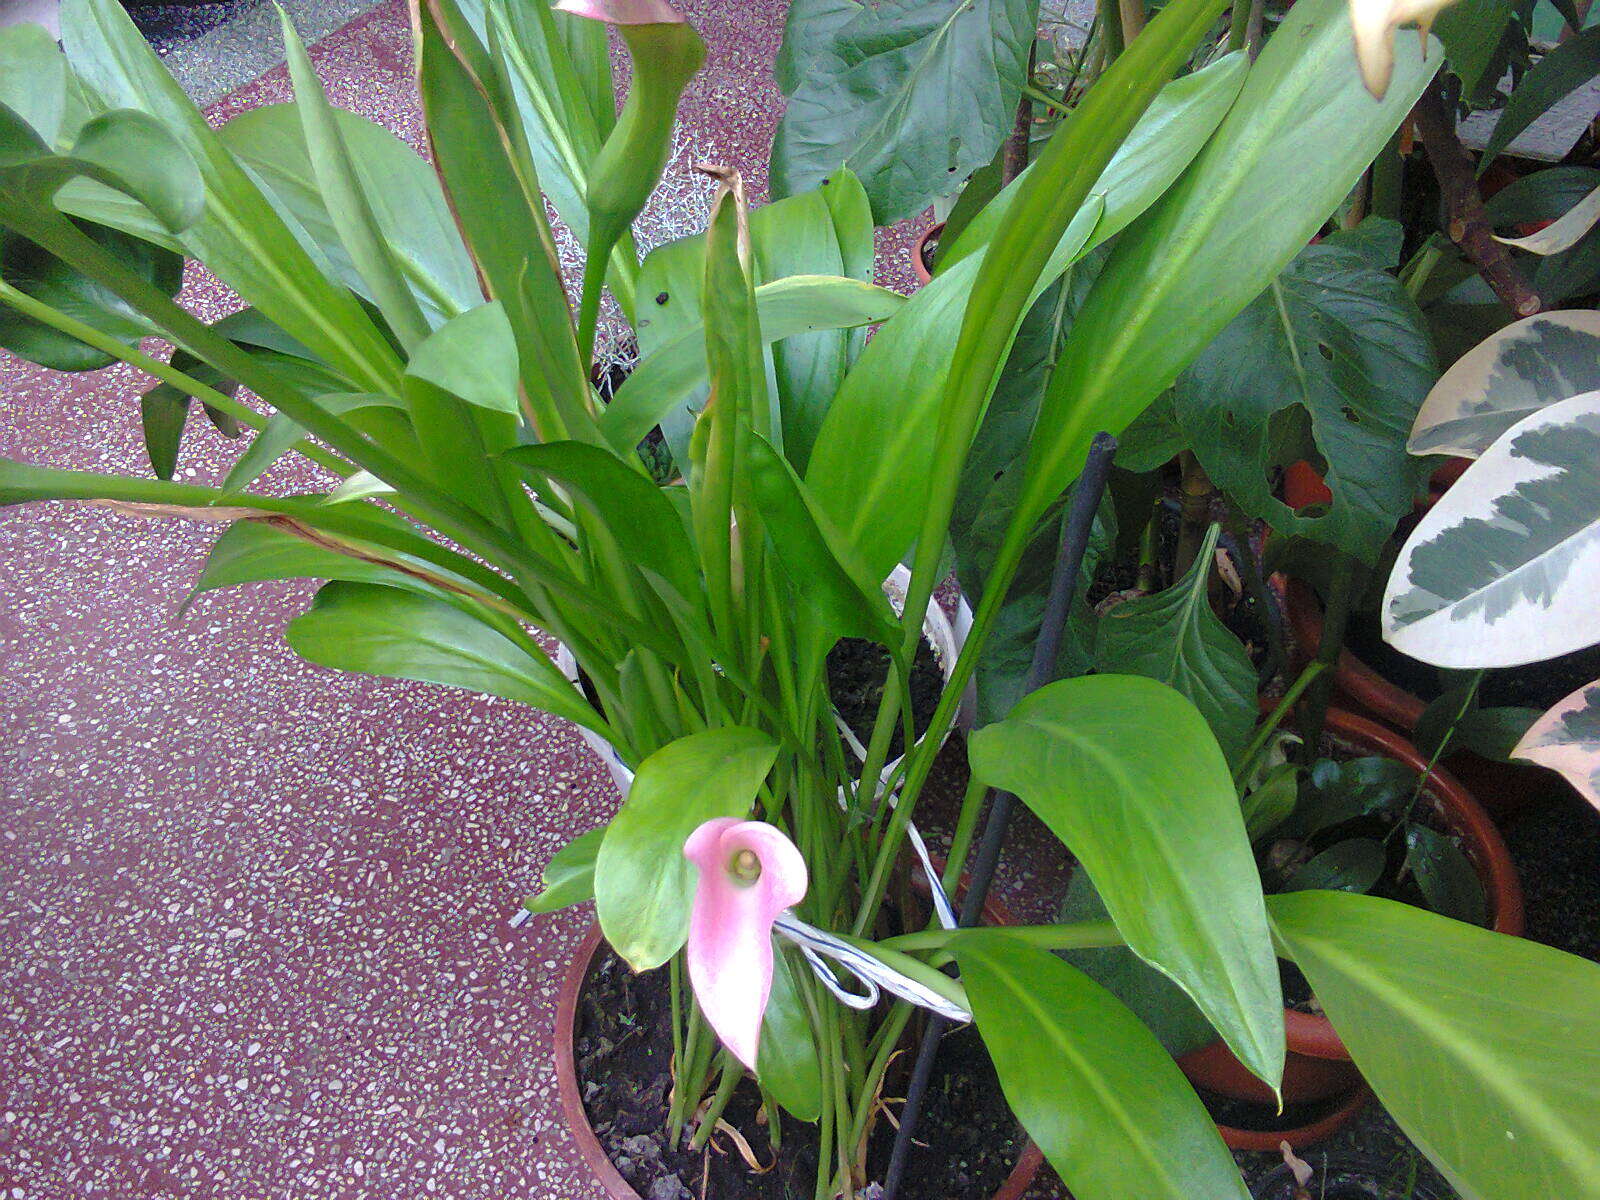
{"points": [[1556, 848], [857, 671], [1536, 685], [1350, 1177], [623, 1046]]}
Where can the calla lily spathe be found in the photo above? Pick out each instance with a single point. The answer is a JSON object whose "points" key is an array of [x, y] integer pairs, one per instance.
{"points": [[1375, 22], [749, 873], [623, 12]]}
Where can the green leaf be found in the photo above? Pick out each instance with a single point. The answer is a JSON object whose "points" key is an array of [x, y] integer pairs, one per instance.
{"points": [[569, 875], [1450, 724], [1566, 68], [1329, 366], [33, 79], [1446, 876], [673, 375], [255, 551], [473, 356], [838, 592], [1500, 571], [38, 273], [385, 631], [1176, 638], [790, 1069], [162, 413], [911, 96], [643, 886], [1481, 1046], [406, 198], [1353, 865], [1126, 773], [1222, 232], [1092, 1087], [1472, 31], [1341, 791]]}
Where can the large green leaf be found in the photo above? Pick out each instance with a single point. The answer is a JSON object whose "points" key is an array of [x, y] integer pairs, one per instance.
{"points": [[254, 551], [911, 96], [1330, 365], [1126, 773], [239, 236], [1528, 365], [1504, 568], [569, 875], [1092, 1087], [1175, 637], [1485, 1048], [33, 79], [643, 886], [1472, 32], [385, 631], [1566, 68], [1222, 233], [407, 202], [790, 1069]]}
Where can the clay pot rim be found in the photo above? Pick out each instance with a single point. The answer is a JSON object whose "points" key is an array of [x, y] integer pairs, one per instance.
{"points": [[576, 1116], [1314, 1035], [918, 267], [1309, 1134], [1355, 678]]}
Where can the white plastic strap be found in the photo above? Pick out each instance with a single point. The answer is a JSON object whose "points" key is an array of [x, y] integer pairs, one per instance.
{"points": [[874, 974]]}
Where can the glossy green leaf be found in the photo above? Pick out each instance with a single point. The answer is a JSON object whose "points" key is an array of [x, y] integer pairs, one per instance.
{"points": [[643, 886], [473, 356], [1482, 1047], [1175, 637], [1126, 773], [1451, 724], [1567, 67], [407, 202], [385, 631], [569, 875], [672, 375], [1223, 231], [790, 1069], [33, 79], [1503, 569], [1330, 365], [255, 551], [380, 417], [1353, 865], [844, 598], [1472, 32], [1092, 1087], [910, 96], [1445, 874], [1529, 365]]}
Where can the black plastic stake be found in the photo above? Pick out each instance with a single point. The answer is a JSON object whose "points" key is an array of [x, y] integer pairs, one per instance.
{"points": [[1075, 531]]}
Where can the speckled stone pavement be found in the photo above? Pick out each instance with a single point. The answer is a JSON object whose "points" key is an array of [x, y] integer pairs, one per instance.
{"points": [[252, 912]]}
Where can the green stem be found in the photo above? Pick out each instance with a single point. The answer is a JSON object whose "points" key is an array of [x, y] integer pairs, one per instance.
{"points": [[732, 1072], [1267, 728], [1335, 619], [1079, 935]]}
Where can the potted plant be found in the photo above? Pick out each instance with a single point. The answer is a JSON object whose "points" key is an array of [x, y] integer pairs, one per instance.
{"points": [[414, 337]]}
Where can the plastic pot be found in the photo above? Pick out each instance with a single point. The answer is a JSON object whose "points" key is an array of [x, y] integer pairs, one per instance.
{"points": [[1318, 1067], [576, 1116]]}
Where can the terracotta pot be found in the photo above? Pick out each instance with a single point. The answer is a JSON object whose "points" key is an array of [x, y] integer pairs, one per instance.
{"points": [[1504, 788], [1301, 1136], [1318, 1066], [919, 264], [577, 1118]]}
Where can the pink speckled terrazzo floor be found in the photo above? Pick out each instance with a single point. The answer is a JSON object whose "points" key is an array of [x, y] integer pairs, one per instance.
{"points": [[251, 911]]}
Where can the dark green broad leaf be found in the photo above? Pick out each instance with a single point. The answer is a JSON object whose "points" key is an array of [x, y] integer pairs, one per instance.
{"points": [[39, 274], [386, 631], [1445, 875], [1568, 276], [1353, 865], [1175, 637], [911, 96], [1341, 791], [1330, 365], [1091, 1085], [1456, 722], [569, 875], [1127, 774], [1559, 73], [643, 886], [790, 1069], [1481, 1046], [1473, 33]]}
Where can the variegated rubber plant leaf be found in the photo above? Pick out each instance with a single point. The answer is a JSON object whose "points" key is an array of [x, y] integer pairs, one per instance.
{"points": [[1567, 740], [1528, 365], [1505, 569]]}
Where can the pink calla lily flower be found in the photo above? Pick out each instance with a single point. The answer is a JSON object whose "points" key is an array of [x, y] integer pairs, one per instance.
{"points": [[623, 12], [749, 873]]}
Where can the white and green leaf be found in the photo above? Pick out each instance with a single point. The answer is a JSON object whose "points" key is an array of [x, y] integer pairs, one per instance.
{"points": [[1567, 739]]}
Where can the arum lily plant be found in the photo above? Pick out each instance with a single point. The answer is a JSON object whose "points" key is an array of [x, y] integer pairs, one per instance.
{"points": [[414, 337]]}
